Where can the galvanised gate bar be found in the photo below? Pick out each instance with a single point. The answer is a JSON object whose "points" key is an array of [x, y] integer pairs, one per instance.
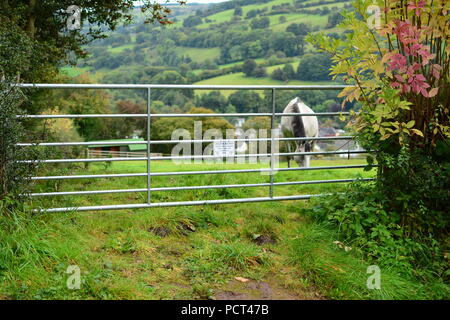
{"points": [[148, 158]]}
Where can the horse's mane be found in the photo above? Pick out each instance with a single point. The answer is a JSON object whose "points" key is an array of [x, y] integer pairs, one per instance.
{"points": [[298, 127]]}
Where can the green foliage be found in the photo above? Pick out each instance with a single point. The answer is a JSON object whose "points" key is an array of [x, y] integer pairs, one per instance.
{"points": [[260, 23], [257, 123], [34, 41], [278, 74], [84, 102], [125, 127], [314, 67], [368, 221], [163, 128], [213, 100], [45, 28], [342, 273], [289, 71], [14, 176], [245, 101], [285, 74], [259, 72], [17, 53], [249, 67], [171, 97], [192, 21], [334, 19], [399, 79]]}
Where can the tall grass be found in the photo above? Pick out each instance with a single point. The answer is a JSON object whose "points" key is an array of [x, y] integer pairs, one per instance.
{"points": [[124, 254], [343, 274]]}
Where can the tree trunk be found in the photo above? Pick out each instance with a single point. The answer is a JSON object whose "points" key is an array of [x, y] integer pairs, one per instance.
{"points": [[30, 27]]}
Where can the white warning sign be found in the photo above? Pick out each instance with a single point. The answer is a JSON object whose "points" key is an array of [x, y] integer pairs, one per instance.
{"points": [[224, 148]]}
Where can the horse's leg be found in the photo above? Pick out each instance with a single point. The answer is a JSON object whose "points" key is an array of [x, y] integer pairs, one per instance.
{"points": [[309, 148]]}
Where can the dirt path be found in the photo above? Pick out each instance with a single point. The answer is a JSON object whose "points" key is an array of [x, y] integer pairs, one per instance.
{"points": [[260, 290]]}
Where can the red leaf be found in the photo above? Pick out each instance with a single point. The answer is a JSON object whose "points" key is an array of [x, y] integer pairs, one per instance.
{"points": [[420, 77]]}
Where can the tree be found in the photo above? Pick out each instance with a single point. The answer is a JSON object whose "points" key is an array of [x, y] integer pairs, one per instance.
{"points": [[18, 53], [35, 41], [162, 128], [400, 76], [289, 71], [260, 23], [213, 100], [300, 29], [238, 11], [171, 97], [85, 102], [123, 128], [14, 176], [287, 43], [325, 11], [257, 123], [279, 74], [245, 101], [252, 49], [248, 67], [259, 72], [45, 23], [192, 21], [314, 67], [210, 122], [251, 14], [334, 19]]}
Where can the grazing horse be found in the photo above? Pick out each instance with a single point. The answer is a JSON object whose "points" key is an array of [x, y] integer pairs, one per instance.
{"points": [[299, 127]]}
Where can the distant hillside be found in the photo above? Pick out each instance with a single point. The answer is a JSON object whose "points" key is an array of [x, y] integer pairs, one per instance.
{"points": [[234, 42], [207, 37], [237, 42]]}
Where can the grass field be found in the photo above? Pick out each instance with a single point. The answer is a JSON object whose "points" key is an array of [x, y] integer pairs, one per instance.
{"points": [[199, 54], [121, 48], [241, 79], [74, 71], [228, 14], [275, 25], [188, 252], [192, 180], [311, 19]]}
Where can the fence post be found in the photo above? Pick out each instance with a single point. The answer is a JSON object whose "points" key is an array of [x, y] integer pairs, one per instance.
{"points": [[149, 114], [272, 126]]}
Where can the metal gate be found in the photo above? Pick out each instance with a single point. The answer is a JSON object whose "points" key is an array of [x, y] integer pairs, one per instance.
{"points": [[148, 158]]}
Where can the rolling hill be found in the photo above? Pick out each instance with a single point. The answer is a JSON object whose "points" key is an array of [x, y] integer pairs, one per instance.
{"points": [[210, 44], [152, 44]]}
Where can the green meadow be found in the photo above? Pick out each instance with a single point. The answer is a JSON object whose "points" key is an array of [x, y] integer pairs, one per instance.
{"points": [[199, 54], [240, 79]]}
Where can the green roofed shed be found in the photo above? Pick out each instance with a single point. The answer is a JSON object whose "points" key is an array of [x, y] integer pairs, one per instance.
{"points": [[117, 148], [114, 144]]}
